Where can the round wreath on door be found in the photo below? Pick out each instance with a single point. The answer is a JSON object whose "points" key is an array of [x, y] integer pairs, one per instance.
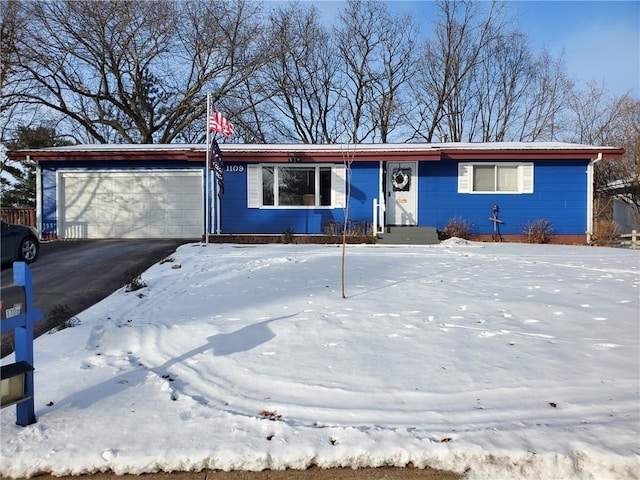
{"points": [[401, 179]]}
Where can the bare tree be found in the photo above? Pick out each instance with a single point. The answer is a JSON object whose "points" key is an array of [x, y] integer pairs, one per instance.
{"points": [[358, 40], [12, 81], [443, 84], [303, 74], [135, 71], [389, 101], [502, 80], [603, 119], [544, 107], [597, 115]]}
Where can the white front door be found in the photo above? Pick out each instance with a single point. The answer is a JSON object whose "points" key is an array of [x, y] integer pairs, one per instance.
{"points": [[402, 193]]}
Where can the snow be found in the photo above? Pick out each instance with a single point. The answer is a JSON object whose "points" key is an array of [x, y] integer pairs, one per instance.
{"points": [[333, 148], [498, 360]]}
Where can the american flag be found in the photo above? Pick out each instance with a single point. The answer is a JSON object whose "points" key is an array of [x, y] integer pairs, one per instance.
{"points": [[217, 163], [218, 123]]}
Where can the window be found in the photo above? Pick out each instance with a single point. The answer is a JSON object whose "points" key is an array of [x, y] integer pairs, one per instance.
{"points": [[295, 186], [495, 178]]}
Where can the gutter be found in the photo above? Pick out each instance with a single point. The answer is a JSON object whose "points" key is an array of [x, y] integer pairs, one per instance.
{"points": [[590, 195]]}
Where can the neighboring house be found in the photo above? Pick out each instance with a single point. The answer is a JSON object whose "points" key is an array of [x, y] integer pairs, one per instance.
{"points": [[155, 191], [625, 195]]}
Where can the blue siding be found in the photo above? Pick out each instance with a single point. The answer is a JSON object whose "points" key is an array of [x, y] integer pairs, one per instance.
{"points": [[49, 201], [236, 218], [559, 196]]}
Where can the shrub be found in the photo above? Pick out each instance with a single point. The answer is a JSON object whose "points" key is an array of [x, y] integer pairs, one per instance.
{"points": [[134, 281], [605, 232], [457, 227], [61, 317], [287, 235], [538, 231]]}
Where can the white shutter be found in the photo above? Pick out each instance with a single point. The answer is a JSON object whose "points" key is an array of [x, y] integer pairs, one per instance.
{"points": [[464, 177], [338, 186], [526, 178], [254, 186]]}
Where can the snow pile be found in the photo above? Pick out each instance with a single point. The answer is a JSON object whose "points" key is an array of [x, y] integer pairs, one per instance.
{"points": [[499, 360]]}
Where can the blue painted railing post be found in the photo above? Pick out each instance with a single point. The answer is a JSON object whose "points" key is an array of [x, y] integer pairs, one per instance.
{"points": [[26, 414], [20, 318]]}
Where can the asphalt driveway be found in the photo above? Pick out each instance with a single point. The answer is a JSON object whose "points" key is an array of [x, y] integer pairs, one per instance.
{"points": [[71, 276]]}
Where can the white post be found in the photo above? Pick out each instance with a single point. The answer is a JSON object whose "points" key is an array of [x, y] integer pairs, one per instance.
{"points": [[38, 198], [207, 189], [634, 239], [381, 204], [375, 217], [218, 231], [590, 195]]}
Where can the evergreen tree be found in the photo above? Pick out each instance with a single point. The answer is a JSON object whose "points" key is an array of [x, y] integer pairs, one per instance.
{"points": [[18, 179]]}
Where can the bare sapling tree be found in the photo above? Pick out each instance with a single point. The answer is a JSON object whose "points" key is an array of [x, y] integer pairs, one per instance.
{"points": [[348, 155]]}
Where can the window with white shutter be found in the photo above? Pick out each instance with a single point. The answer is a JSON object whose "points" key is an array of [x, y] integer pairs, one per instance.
{"points": [[495, 178], [296, 186]]}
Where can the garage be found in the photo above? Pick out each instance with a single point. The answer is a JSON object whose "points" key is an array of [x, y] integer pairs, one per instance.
{"points": [[130, 204]]}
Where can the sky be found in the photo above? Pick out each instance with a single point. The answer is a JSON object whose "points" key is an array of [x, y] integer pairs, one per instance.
{"points": [[600, 40], [499, 360]]}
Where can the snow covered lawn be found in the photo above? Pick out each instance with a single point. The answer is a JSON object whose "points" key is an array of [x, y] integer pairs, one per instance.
{"points": [[502, 360]]}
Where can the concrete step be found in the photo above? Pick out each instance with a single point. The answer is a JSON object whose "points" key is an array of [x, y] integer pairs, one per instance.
{"points": [[409, 236]]}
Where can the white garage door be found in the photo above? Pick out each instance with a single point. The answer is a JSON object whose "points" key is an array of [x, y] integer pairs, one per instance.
{"points": [[131, 204]]}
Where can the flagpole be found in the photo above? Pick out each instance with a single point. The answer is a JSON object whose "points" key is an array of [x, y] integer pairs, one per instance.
{"points": [[217, 212], [207, 188]]}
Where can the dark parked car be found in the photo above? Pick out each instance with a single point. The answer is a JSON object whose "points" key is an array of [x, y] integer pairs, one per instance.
{"points": [[19, 243]]}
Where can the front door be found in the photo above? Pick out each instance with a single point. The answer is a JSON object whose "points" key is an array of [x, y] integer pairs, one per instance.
{"points": [[402, 193]]}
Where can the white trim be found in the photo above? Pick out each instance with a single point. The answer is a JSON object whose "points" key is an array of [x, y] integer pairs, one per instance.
{"points": [[399, 197], [38, 198], [123, 172], [338, 186], [254, 186], [590, 194], [524, 185], [382, 206], [525, 178], [464, 178]]}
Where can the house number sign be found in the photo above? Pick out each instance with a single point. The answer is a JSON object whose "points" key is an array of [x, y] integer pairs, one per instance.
{"points": [[234, 168]]}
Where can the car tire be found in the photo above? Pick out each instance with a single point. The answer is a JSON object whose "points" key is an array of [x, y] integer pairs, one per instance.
{"points": [[29, 249]]}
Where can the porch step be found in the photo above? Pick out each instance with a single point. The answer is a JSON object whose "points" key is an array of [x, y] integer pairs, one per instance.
{"points": [[409, 236]]}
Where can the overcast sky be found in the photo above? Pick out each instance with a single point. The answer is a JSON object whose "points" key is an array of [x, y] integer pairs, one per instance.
{"points": [[600, 39]]}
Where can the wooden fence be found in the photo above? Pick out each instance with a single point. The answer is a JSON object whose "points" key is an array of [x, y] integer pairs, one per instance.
{"points": [[629, 240], [22, 216]]}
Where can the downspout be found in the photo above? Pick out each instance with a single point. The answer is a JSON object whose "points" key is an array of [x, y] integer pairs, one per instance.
{"points": [[383, 202], [38, 198], [590, 195]]}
